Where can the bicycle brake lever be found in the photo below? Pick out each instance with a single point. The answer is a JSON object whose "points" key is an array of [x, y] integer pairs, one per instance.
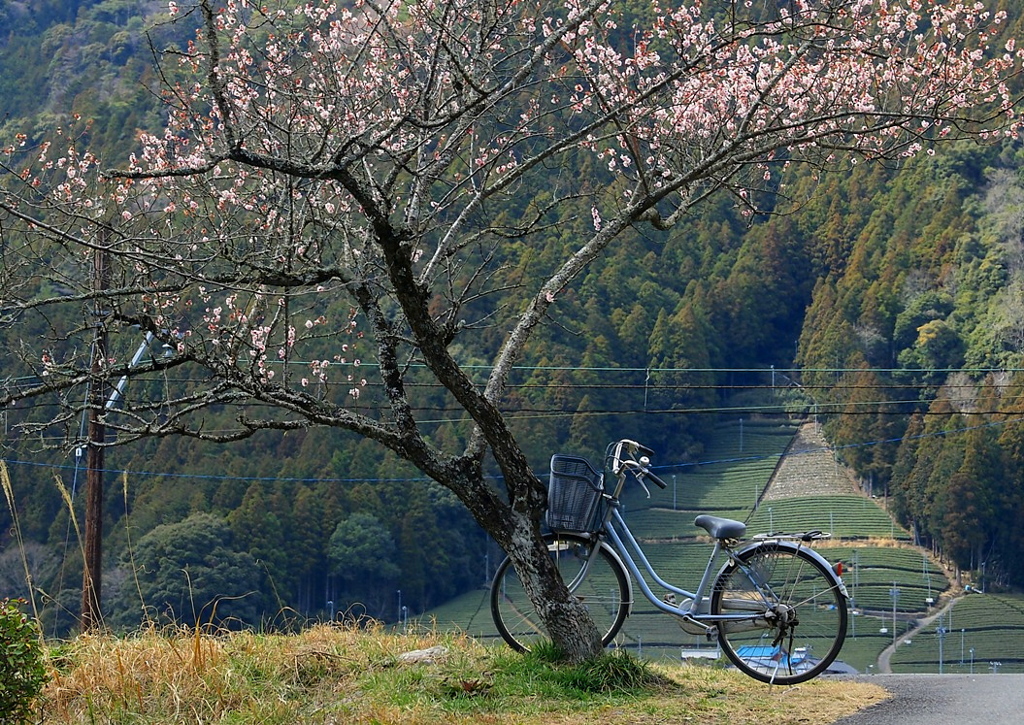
{"points": [[645, 463], [639, 471]]}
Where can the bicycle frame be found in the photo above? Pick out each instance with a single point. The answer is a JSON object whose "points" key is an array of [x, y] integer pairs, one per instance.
{"points": [[625, 546], [776, 608], [618, 534]]}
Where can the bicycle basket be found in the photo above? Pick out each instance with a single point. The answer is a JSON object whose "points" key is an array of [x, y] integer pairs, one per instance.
{"points": [[574, 495]]}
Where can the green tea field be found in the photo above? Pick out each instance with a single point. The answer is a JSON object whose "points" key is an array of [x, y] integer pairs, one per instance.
{"points": [[893, 585]]}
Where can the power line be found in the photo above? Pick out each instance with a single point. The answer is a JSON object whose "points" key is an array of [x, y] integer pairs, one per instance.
{"points": [[25, 380], [855, 408], [378, 479]]}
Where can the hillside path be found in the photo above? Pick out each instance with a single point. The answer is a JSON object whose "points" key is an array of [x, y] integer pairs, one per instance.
{"points": [[886, 655], [809, 468]]}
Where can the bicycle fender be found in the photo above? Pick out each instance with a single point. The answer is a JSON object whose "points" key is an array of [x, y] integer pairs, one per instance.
{"points": [[791, 546], [618, 561]]}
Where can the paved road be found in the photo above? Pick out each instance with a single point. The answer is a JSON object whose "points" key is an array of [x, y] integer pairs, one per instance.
{"points": [[945, 700]]}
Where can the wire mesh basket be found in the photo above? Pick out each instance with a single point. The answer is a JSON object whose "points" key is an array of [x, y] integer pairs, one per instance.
{"points": [[574, 495]]}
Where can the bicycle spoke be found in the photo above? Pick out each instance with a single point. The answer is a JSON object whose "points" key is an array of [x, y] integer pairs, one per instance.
{"points": [[803, 620]]}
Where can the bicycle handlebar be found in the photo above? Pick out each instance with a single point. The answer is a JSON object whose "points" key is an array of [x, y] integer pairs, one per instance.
{"points": [[640, 468], [654, 477]]}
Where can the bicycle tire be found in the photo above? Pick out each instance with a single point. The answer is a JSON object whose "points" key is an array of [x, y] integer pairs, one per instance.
{"points": [[801, 626], [603, 586]]}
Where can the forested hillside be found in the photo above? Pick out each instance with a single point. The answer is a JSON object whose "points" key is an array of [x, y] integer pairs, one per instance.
{"points": [[887, 298]]}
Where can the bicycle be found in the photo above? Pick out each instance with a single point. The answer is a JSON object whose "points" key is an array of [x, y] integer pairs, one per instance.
{"points": [[776, 607]]}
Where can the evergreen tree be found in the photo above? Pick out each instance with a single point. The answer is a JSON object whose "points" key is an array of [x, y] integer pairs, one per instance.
{"points": [[190, 573]]}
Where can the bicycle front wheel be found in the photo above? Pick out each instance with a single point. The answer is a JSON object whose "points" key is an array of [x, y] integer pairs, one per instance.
{"points": [[596, 578], [796, 613]]}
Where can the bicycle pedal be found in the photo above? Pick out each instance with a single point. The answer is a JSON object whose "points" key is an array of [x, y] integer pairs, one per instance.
{"points": [[692, 626], [687, 623]]}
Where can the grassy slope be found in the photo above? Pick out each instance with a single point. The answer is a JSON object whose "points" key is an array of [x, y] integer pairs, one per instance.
{"points": [[329, 675], [335, 675]]}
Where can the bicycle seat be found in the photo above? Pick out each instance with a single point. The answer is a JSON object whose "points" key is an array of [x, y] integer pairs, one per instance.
{"points": [[721, 528]]}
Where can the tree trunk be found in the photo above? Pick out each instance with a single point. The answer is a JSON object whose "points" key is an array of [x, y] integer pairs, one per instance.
{"points": [[566, 618], [514, 524]]}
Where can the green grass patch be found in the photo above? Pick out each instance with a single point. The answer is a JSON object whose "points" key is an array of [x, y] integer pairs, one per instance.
{"points": [[614, 671], [330, 674]]}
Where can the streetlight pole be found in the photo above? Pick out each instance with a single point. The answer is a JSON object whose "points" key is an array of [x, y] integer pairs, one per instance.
{"points": [[856, 572], [927, 577]]}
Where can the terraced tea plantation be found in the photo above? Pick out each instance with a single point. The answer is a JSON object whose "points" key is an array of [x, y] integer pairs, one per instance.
{"points": [[981, 633], [882, 570], [873, 574]]}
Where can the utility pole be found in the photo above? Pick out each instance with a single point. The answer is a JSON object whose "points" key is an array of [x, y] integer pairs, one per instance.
{"points": [[941, 631], [895, 594], [92, 584]]}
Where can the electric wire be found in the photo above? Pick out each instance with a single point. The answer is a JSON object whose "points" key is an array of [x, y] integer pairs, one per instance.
{"points": [[677, 466]]}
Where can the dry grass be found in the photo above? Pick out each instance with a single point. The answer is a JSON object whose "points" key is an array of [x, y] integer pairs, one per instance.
{"points": [[867, 543], [330, 675]]}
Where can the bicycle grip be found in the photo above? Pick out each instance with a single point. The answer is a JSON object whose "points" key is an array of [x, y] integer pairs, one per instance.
{"points": [[654, 477]]}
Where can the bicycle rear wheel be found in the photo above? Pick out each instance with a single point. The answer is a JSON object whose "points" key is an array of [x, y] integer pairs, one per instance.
{"points": [[599, 581], [797, 620]]}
